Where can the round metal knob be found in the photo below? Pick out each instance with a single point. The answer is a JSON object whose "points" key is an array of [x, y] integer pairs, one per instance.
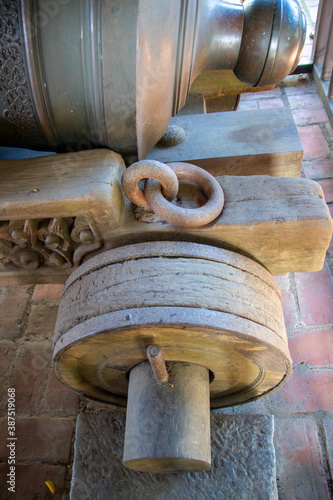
{"points": [[272, 41]]}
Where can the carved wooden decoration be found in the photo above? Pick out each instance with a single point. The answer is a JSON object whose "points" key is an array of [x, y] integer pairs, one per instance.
{"points": [[59, 242]]}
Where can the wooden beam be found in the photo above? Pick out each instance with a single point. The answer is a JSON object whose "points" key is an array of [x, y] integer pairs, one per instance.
{"points": [[282, 223], [323, 89], [54, 211], [55, 214], [217, 83]]}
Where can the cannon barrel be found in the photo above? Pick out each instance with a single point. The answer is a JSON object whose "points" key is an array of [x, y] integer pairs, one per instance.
{"points": [[96, 73]]}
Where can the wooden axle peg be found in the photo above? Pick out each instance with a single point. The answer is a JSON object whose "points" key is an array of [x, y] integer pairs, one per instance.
{"points": [[157, 363], [168, 425]]}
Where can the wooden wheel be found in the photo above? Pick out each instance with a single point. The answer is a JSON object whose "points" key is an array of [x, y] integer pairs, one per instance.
{"points": [[202, 305]]}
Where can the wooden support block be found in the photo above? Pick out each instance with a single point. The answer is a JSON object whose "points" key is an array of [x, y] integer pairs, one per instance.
{"points": [[58, 211], [168, 426], [263, 142], [195, 104], [283, 223], [220, 90], [217, 83], [223, 103]]}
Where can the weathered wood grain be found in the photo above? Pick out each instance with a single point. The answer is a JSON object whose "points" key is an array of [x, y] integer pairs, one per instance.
{"points": [[218, 83], [260, 142], [55, 210], [159, 435], [283, 223], [64, 185], [200, 304], [220, 90], [172, 282]]}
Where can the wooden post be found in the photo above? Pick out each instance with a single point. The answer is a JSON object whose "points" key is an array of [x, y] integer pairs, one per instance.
{"points": [[330, 88], [322, 30], [168, 425], [326, 71], [157, 363]]}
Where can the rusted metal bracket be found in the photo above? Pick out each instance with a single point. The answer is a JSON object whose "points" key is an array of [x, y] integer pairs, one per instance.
{"points": [[154, 198]]}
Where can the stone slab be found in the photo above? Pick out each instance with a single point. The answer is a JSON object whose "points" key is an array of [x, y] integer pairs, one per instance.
{"points": [[243, 463]]}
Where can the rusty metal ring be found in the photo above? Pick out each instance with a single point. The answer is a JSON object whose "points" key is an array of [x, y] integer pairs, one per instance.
{"points": [[183, 216], [148, 169]]}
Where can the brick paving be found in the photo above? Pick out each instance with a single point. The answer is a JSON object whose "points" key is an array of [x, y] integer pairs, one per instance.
{"points": [[45, 410], [31, 480], [13, 304], [302, 474], [303, 408]]}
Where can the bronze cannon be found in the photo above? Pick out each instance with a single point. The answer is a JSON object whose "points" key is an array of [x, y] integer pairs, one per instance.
{"points": [[110, 74]]}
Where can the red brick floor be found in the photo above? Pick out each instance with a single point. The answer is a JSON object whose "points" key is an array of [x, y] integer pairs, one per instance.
{"points": [[45, 410], [303, 407]]}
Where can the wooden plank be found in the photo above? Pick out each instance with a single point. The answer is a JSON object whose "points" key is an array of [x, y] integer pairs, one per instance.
{"points": [[330, 88], [263, 142], [323, 89], [328, 60], [62, 186], [195, 104], [324, 17], [224, 103]]}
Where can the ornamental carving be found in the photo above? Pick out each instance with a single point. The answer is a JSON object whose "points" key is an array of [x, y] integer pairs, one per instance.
{"points": [[17, 105], [58, 242]]}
